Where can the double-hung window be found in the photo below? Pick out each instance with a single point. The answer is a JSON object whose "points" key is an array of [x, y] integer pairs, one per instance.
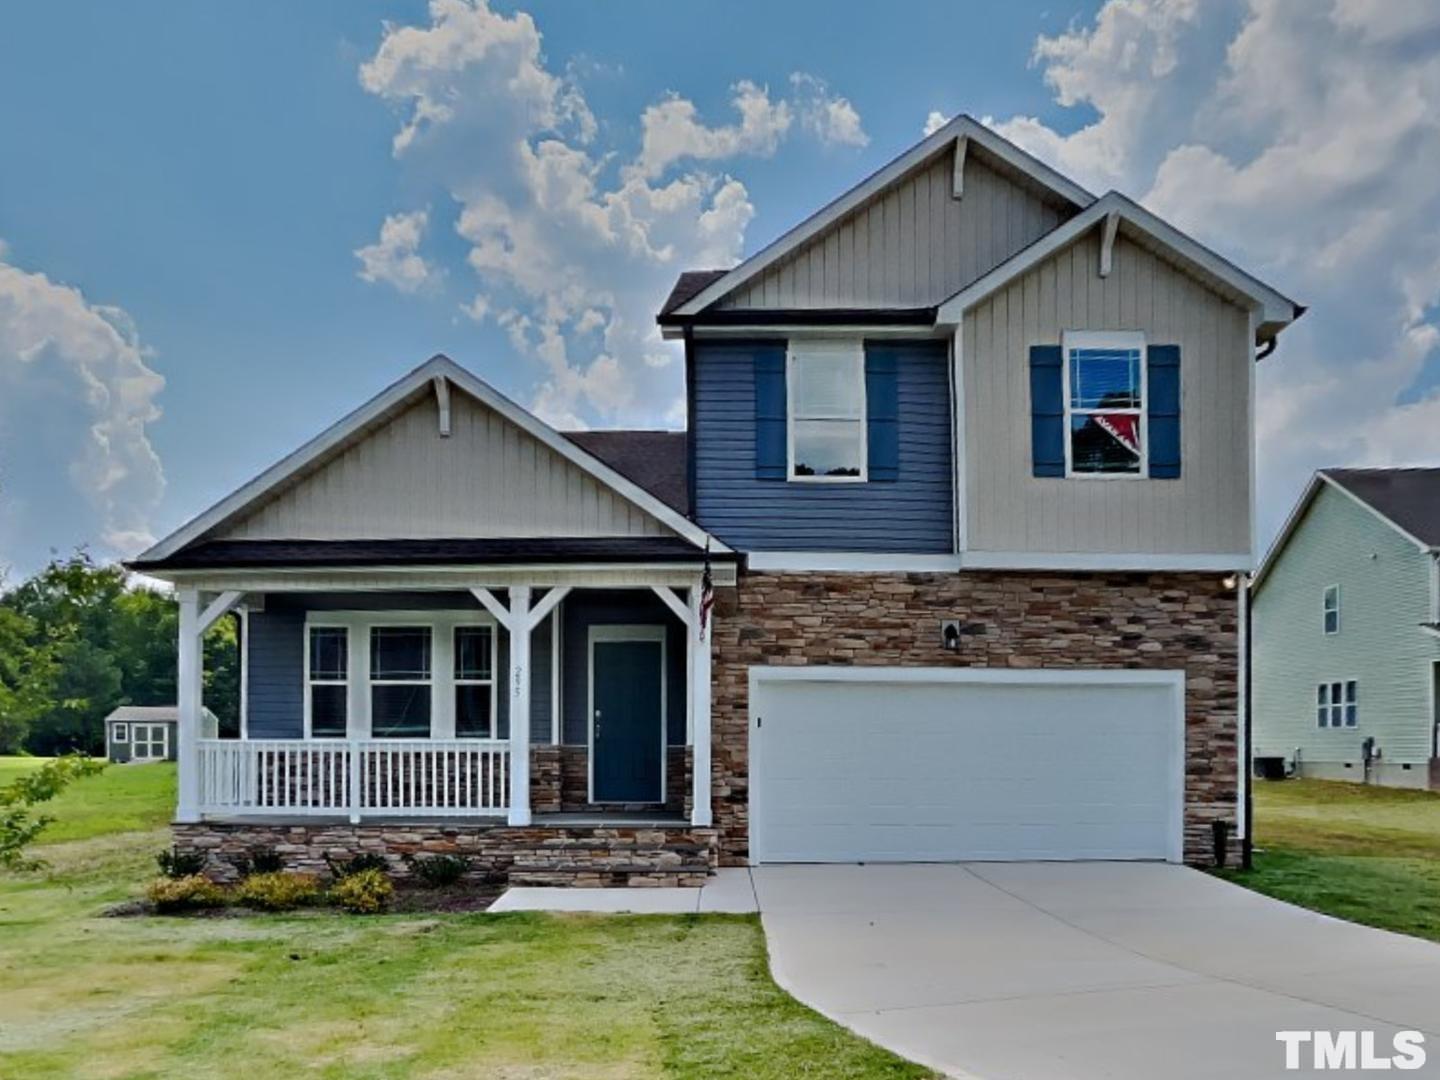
{"points": [[826, 386], [328, 681], [400, 682], [1332, 609], [1337, 704], [1104, 404], [474, 682]]}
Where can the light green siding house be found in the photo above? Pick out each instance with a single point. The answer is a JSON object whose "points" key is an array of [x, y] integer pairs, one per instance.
{"points": [[1346, 630]]}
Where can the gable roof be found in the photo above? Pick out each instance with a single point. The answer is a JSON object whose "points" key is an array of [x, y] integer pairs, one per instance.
{"points": [[375, 412], [653, 459], [960, 127], [1407, 500], [1276, 309]]}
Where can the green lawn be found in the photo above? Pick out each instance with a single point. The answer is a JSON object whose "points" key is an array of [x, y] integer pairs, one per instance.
{"points": [[123, 798], [520, 996], [1368, 854]]}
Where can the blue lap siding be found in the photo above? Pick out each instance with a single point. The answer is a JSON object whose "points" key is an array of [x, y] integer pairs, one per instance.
{"points": [[912, 514]]}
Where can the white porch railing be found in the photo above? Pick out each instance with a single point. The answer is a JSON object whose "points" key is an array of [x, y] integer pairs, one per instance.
{"points": [[355, 777]]}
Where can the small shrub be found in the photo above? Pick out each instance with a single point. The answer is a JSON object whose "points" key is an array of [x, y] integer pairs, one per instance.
{"points": [[258, 860], [438, 871], [278, 891], [180, 864], [358, 864], [186, 893], [365, 893]]}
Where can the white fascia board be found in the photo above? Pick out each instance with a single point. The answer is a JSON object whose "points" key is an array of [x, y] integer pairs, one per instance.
{"points": [[382, 578], [438, 367], [1273, 307], [1358, 501], [960, 127], [1221, 563], [851, 562]]}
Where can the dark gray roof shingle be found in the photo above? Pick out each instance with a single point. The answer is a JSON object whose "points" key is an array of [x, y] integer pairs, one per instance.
{"points": [[653, 459], [1408, 497], [689, 285]]}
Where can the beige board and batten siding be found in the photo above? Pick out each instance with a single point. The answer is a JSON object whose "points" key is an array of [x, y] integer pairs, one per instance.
{"points": [[403, 480], [911, 246], [1206, 510]]}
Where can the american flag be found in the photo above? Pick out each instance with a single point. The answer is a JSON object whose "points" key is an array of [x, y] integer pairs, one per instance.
{"points": [[707, 594]]}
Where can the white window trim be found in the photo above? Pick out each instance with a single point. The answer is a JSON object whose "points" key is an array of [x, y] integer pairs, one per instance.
{"points": [[647, 632], [1325, 609], [1106, 339], [857, 347], [431, 680], [120, 732], [456, 680], [1330, 706], [442, 624], [311, 682]]}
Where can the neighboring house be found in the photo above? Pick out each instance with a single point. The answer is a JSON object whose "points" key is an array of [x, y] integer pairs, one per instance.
{"points": [[138, 733], [1347, 630], [969, 463]]}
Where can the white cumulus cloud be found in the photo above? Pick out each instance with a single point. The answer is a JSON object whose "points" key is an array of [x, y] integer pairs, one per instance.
{"points": [[1318, 176], [575, 244], [395, 258], [76, 397]]}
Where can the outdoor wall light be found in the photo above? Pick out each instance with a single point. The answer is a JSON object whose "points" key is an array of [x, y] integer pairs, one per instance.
{"points": [[950, 634]]}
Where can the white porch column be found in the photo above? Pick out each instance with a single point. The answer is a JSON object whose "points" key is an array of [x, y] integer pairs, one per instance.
{"points": [[520, 705], [700, 695], [189, 676]]}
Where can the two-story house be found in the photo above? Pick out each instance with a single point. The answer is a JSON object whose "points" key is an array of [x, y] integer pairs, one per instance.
{"points": [[947, 565], [1346, 628]]}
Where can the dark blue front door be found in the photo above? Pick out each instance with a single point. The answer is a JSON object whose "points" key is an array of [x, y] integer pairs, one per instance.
{"points": [[626, 734]]}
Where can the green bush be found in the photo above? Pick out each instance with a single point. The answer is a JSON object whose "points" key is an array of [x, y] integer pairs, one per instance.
{"points": [[180, 864], [258, 860], [280, 891], [185, 893], [358, 864], [438, 871], [365, 893]]}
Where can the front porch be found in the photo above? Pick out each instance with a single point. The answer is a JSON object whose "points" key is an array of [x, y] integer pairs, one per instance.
{"points": [[413, 709]]}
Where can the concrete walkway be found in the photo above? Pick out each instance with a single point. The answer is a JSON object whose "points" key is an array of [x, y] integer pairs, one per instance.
{"points": [[1077, 970], [730, 890]]}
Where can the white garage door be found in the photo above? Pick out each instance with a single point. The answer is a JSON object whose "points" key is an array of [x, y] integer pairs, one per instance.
{"points": [[873, 765]]}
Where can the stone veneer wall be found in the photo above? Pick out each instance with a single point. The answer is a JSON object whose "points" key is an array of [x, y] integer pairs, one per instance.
{"points": [[1009, 619], [537, 855]]}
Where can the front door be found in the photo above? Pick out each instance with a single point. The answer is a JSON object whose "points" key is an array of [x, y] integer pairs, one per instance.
{"points": [[627, 714]]}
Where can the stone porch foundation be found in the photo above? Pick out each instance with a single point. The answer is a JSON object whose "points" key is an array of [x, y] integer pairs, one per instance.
{"points": [[584, 856]]}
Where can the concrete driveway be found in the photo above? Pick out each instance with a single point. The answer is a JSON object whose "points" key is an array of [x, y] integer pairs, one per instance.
{"points": [[1079, 970]]}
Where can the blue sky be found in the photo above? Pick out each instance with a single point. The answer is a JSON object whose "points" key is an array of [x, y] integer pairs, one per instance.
{"points": [[184, 188]]}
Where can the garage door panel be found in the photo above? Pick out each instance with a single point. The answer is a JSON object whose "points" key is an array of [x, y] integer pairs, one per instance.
{"points": [[905, 770]]}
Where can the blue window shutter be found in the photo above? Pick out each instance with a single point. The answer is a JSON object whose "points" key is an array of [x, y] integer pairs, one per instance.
{"points": [[882, 414], [770, 451], [1162, 372], [1047, 410]]}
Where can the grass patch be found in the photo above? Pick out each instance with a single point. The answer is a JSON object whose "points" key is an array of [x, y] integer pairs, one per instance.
{"points": [[124, 798], [516, 995], [1367, 854]]}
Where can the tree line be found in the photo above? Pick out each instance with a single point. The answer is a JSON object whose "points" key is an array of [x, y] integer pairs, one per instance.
{"points": [[78, 639]]}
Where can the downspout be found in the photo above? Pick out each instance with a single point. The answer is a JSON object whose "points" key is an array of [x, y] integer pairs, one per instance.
{"points": [[1247, 844]]}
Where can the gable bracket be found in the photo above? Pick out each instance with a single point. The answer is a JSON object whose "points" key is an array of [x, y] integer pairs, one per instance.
{"points": [[957, 188], [442, 402], [1107, 243]]}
